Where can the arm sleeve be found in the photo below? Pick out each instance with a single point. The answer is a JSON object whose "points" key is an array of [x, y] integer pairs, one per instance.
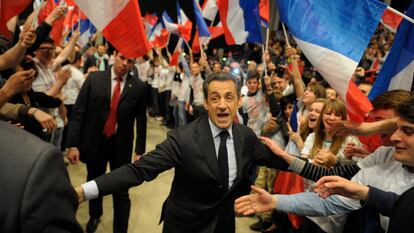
{"points": [[10, 111], [165, 156], [315, 172], [381, 200], [141, 124], [49, 202], [309, 204], [46, 101]]}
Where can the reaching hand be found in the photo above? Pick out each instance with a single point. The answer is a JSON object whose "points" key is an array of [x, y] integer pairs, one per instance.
{"points": [[325, 158], [260, 201], [81, 194], [27, 37], [18, 82], [73, 155], [344, 128], [355, 151], [56, 14], [275, 148], [47, 121], [63, 75], [331, 185], [137, 157]]}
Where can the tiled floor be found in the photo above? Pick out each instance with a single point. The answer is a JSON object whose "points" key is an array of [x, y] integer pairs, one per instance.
{"points": [[146, 199]]}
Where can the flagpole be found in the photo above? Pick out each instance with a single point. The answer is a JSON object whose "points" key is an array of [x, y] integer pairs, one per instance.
{"points": [[286, 36], [400, 14], [79, 19], [264, 60], [35, 18], [267, 39]]}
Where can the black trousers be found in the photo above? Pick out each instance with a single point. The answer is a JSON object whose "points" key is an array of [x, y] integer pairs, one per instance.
{"points": [[97, 167]]}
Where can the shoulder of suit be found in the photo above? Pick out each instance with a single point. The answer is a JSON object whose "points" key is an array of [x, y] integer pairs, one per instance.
{"points": [[245, 131], [19, 144]]}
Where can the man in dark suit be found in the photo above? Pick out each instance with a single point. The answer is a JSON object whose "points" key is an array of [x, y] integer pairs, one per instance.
{"points": [[37, 195], [211, 156], [102, 130]]}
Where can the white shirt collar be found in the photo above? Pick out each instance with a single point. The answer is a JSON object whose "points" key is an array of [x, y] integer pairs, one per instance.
{"points": [[215, 131]]}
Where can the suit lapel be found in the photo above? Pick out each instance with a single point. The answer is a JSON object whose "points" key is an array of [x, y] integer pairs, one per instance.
{"points": [[128, 85], [107, 84], [239, 142], [205, 143]]}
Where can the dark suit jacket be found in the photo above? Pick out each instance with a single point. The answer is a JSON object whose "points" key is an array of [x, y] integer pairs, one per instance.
{"points": [[92, 109], [197, 201], [36, 194]]}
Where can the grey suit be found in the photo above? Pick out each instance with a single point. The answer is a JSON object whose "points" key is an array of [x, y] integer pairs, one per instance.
{"points": [[197, 202], [36, 193]]}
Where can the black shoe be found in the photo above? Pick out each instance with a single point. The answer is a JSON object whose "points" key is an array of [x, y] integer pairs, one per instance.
{"points": [[92, 225], [257, 226]]}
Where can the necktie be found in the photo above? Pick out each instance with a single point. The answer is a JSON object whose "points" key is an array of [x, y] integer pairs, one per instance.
{"points": [[110, 123], [222, 158]]}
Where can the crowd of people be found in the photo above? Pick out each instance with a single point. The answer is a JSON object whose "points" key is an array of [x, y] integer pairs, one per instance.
{"points": [[85, 103]]}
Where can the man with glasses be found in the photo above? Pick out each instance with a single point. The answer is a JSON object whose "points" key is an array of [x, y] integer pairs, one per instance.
{"points": [[102, 130], [50, 82]]}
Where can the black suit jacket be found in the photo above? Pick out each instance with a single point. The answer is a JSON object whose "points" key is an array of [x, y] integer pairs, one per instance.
{"points": [[91, 110], [36, 194], [197, 201]]}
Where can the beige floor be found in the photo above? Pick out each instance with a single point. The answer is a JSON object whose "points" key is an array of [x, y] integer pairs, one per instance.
{"points": [[146, 199]]}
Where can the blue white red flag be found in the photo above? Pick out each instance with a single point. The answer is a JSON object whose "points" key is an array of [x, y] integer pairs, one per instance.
{"points": [[333, 35], [398, 70], [120, 22], [241, 21], [264, 11]]}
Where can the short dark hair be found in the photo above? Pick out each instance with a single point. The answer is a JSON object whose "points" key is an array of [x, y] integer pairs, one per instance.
{"points": [[406, 110], [48, 40], [220, 76], [253, 74], [391, 99]]}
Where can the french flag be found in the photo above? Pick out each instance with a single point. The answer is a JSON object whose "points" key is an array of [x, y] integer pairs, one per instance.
{"points": [[210, 12], [264, 12], [398, 70], [202, 28], [159, 35], [86, 31], [176, 53], [120, 23], [241, 21], [334, 35], [391, 20]]}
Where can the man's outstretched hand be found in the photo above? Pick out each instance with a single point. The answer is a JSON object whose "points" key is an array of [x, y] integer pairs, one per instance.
{"points": [[258, 202]]}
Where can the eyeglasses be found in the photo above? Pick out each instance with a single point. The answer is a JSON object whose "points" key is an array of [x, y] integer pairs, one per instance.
{"points": [[47, 48]]}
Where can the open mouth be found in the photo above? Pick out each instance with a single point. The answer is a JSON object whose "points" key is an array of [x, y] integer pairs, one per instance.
{"points": [[222, 115]]}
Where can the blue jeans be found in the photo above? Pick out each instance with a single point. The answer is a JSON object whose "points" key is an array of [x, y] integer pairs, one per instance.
{"points": [[180, 117]]}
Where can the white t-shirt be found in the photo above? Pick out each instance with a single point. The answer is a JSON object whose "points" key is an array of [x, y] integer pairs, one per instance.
{"points": [[389, 176], [73, 85], [382, 154]]}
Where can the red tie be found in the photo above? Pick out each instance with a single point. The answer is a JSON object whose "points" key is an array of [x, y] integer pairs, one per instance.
{"points": [[110, 123]]}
